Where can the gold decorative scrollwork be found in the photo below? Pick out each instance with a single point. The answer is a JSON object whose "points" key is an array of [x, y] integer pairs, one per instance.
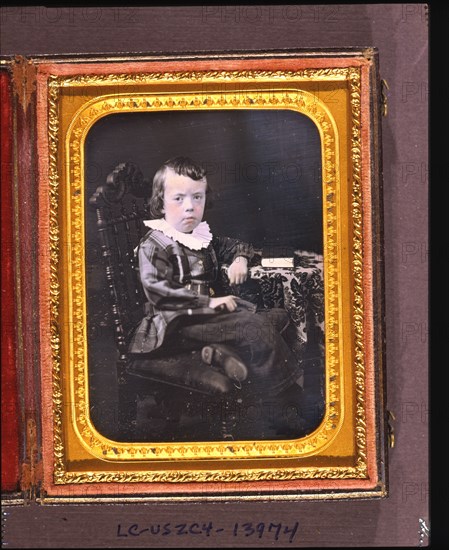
{"points": [[291, 96]]}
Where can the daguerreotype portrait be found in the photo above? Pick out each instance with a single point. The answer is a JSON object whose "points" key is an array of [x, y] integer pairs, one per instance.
{"points": [[227, 274], [214, 276]]}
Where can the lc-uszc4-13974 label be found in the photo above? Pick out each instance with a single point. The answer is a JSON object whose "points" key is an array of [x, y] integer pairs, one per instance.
{"points": [[267, 531]]}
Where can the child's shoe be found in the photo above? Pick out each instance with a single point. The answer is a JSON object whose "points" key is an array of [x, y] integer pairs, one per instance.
{"points": [[227, 359]]}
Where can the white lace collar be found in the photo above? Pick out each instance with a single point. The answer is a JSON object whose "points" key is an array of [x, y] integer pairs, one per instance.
{"points": [[198, 239]]}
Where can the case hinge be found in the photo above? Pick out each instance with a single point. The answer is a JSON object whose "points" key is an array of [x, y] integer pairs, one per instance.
{"points": [[31, 468], [23, 80], [391, 438], [383, 96]]}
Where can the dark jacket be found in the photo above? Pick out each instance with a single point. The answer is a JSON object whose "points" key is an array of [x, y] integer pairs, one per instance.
{"points": [[170, 272]]}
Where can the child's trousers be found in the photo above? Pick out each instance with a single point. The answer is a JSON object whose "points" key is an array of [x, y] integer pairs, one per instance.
{"points": [[255, 337]]}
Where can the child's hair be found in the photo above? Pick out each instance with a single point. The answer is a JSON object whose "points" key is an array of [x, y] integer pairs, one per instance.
{"points": [[183, 166]]}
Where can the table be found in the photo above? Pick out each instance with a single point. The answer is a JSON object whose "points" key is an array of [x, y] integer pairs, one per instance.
{"points": [[299, 289]]}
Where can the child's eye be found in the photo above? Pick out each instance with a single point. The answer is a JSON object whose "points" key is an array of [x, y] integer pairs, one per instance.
{"points": [[198, 197]]}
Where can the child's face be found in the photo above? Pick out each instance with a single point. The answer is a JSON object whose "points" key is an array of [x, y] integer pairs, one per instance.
{"points": [[184, 201]]}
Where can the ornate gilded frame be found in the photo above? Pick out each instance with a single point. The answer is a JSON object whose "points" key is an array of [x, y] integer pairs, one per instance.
{"points": [[345, 455]]}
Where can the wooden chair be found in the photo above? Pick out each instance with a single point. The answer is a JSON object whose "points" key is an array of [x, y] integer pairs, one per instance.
{"points": [[176, 383]]}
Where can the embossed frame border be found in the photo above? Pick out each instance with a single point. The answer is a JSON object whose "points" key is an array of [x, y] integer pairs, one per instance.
{"points": [[286, 470]]}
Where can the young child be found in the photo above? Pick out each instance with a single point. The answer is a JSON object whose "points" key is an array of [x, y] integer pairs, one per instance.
{"points": [[179, 262]]}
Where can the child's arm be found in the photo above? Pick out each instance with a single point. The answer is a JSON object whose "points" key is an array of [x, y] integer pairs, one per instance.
{"points": [[227, 250], [235, 253], [156, 275]]}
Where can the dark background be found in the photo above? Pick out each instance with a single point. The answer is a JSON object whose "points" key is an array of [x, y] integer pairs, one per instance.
{"points": [[264, 167], [401, 33]]}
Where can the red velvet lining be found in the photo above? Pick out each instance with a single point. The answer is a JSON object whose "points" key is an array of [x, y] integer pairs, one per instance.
{"points": [[10, 408]]}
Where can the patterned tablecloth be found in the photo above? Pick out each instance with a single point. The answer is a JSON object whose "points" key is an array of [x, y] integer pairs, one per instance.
{"points": [[300, 290]]}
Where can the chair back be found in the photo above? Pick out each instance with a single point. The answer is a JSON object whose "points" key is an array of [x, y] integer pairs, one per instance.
{"points": [[121, 205]]}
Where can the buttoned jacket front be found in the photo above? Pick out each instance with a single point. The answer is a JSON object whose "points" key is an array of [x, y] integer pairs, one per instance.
{"points": [[170, 272]]}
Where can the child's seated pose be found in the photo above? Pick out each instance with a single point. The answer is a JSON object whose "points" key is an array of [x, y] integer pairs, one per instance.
{"points": [[179, 261]]}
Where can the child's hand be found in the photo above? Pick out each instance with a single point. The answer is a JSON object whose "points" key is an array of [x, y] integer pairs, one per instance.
{"points": [[238, 271], [225, 302]]}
